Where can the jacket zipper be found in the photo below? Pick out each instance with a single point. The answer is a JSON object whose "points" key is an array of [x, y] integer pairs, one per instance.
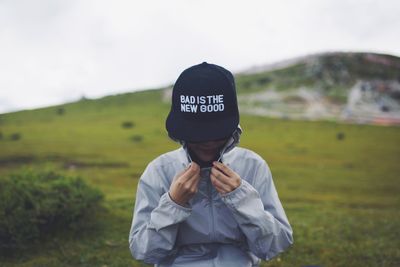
{"points": [[211, 211]]}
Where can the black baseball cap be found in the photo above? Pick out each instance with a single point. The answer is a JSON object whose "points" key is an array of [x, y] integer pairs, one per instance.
{"points": [[204, 104]]}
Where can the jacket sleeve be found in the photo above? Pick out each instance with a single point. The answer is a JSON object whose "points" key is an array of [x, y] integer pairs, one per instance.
{"points": [[153, 231], [260, 215]]}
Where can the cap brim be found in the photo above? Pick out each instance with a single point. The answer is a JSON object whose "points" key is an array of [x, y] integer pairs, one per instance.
{"points": [[200, 131]]}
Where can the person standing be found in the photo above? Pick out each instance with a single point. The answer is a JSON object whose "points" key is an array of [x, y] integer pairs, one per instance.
{"points": [[210, 202]]}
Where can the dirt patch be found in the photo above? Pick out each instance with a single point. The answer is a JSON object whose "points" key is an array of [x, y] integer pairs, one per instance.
{"points": [[67, 163], [81, 165], [17, 160], [294, 99]]}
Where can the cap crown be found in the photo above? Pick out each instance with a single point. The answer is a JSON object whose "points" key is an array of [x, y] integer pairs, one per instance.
{"points": [[205, 92], [203, 95]]}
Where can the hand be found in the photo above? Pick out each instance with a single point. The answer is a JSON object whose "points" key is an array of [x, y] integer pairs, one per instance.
{"points": [[184, 185], [223, 178]]}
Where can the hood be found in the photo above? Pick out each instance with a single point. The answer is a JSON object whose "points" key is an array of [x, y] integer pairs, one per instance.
{"points": [[232, 142]]}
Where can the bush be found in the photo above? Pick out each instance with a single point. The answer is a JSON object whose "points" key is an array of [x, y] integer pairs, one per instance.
{"points": [[60, 111], [340, 136], [127, 124], [35, 204], [15, 136], [137, 138]]}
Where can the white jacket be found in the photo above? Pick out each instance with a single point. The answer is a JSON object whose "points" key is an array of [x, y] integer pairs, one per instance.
{"points": [[235, 229]]}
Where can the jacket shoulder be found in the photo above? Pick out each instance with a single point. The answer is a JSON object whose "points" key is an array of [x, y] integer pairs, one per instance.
{"points": [[249, 165], [168, 158], [161, 170], [169, 163]]}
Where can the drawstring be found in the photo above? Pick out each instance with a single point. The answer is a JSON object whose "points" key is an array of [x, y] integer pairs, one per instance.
{"points": [[183, 143], [232, 142]]}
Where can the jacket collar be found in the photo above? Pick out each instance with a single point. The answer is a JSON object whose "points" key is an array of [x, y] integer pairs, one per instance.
{"points": [[232, 142]]}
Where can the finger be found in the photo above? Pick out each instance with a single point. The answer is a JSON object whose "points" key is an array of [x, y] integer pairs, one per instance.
{"points": [[192, 171], [231, 182], [194, 180], [195, 185], [179, 174], [188, 188], [220, 187], [220, 190], [191, 185], [221, 176], [214, 182], [195, 167], [223, 168], [219, 183]]}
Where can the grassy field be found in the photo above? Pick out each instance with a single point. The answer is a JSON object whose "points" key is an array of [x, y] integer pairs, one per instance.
{"points": [[342, 197]]}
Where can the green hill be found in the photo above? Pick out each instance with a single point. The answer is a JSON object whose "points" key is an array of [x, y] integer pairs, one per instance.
{"points": [[327, 71], [337, 182], [351, 87]]}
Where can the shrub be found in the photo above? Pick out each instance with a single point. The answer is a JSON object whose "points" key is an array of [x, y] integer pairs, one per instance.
{"points": [[137, 138], [128, 124], [340, 136], [15, 136], [35, 204], [60, 111]]}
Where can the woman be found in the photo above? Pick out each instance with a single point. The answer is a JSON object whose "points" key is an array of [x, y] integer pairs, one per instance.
{"points": [[208, 203]]}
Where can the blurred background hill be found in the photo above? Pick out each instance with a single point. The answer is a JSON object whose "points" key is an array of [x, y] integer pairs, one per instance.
{"points": [[351, 87], [348, 87]]}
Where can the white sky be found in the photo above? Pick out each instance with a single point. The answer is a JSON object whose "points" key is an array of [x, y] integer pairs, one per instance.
{"points": [[54, 51]]}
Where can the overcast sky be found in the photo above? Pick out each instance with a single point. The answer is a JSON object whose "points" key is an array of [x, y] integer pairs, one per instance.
{"points": [[54, 51]]}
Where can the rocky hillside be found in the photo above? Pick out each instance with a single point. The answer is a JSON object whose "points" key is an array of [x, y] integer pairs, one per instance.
{"points": [[354, 87]]}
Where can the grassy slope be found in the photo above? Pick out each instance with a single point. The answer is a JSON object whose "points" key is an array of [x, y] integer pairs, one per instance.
{"points": [[341, 197]]}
